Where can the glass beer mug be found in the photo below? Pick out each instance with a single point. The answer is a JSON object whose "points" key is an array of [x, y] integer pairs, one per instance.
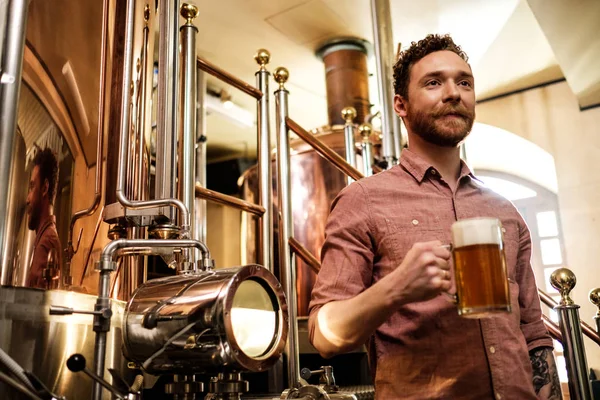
{"points": [[479, 268]]}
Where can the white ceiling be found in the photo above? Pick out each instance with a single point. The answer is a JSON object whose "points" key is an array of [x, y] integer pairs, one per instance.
{"points": [[506, 46]]}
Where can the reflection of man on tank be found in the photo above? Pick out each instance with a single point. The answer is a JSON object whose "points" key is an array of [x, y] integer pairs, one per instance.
{"points": [[40, 209]]}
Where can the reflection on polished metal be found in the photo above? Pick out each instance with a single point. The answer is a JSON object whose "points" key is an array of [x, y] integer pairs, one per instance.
{"points": [[168, 69], [595, 300], [30, 334], [184, 386], [564, 281], [66, 278], [10, 85], [187, 137], [234, 318], [367, 148], [349, 113], [264, 162], [220, 198], [384, 58], [287, 264], [199, 232], [228, 78], [323, 150]]}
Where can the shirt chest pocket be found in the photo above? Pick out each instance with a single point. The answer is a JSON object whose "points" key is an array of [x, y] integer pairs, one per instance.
{"points": [[402, 233]]}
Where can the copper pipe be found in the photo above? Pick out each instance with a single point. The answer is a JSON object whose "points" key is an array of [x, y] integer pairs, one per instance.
{"points": [[552, 327], [585, 328], [228, 78], [220, 198], [324, 151], [99, 145], [87, 258], [305, 255]]}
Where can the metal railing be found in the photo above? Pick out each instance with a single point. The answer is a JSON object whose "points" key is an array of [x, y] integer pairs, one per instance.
{"points": [[264, 207]]}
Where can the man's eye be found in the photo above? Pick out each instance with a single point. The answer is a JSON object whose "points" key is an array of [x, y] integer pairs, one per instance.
{"points": [[465, 83], [433, 83]]}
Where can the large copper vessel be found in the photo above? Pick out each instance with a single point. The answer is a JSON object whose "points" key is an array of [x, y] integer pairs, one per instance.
{"points": [[316, 182]]}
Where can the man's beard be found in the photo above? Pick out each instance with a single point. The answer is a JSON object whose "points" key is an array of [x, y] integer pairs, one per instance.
{"points": [[34, 219], [437, 128]]}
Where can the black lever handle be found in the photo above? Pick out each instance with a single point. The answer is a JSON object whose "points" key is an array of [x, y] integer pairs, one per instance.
{"points": [[76, 363]]}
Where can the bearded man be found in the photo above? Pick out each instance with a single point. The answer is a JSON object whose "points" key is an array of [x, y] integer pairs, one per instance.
{"points": [[40, 209], [384, 266]]}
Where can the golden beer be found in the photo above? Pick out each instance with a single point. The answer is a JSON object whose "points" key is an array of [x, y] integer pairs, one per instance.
{"points": [[480, 268]]}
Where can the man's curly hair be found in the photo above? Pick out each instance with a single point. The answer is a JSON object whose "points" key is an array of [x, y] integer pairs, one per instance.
{"points": [[417, 51], [48, 170]]}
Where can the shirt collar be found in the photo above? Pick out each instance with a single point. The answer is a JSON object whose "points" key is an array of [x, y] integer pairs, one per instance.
{"points": [[418, 167]]}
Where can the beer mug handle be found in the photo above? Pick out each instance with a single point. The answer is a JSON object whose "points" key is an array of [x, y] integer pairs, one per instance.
{"points": [[452, 297]]}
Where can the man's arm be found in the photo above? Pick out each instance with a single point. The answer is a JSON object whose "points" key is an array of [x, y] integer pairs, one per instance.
{"points": [[545, 374], [343, 325]]}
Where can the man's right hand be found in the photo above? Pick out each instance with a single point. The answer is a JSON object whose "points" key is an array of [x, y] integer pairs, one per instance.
{"points": [[423, 274]]}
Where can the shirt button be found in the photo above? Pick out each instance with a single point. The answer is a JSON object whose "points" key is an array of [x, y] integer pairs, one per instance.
{"points": [[503, 230], [433, 171], [492, 349], [415, 222], [498, 396]]}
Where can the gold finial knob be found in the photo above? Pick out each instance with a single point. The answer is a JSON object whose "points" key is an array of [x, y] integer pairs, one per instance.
{"points": [[349, 113], [281, 76], [262, 57], [189, 12], [146, 13], [365, 131], [563, 280], [595, 299]]}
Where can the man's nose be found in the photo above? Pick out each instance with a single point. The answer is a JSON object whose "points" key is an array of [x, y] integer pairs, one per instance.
{"points": [[451, 92]]}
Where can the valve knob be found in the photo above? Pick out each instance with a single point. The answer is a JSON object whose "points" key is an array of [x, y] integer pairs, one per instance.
{"points": [[76, 363]]}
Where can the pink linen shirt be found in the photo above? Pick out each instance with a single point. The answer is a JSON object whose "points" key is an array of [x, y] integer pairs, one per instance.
{"points": [[425, 350]]}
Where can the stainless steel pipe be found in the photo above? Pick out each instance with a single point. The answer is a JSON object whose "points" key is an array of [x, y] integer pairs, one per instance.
{"points": [[168, 69], [349, 113], [564, 281], [187, 154], [124, 134], [264, 162], [384, 56], [10, 86], [367, 149], [287, 263]]}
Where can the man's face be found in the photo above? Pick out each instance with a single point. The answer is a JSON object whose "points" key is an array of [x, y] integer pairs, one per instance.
{"points": [[441, 99], [34, 199]]}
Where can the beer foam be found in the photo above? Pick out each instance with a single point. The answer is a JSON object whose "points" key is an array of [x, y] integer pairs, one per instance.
{"points": [[468, 232]]}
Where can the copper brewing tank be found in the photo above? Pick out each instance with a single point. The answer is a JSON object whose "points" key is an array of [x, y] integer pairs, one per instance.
{"points": [[314, 181]]}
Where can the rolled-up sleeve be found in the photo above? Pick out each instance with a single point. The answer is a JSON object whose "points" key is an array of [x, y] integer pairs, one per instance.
{"points": [[532, 326], [347, 253]]}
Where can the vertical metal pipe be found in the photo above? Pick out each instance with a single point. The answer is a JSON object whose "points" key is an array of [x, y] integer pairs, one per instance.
{"points": [[577, 370], [200, 204], [349, 113], [265, 185], [168, 69], [564, 281], [10, 86], [367, 149], [101, 327], [124, 134], [287, 264], [384, 53], [187, 181]]}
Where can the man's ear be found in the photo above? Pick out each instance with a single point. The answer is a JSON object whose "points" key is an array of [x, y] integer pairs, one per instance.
{"points": [[400, 106], [45, 187]]}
